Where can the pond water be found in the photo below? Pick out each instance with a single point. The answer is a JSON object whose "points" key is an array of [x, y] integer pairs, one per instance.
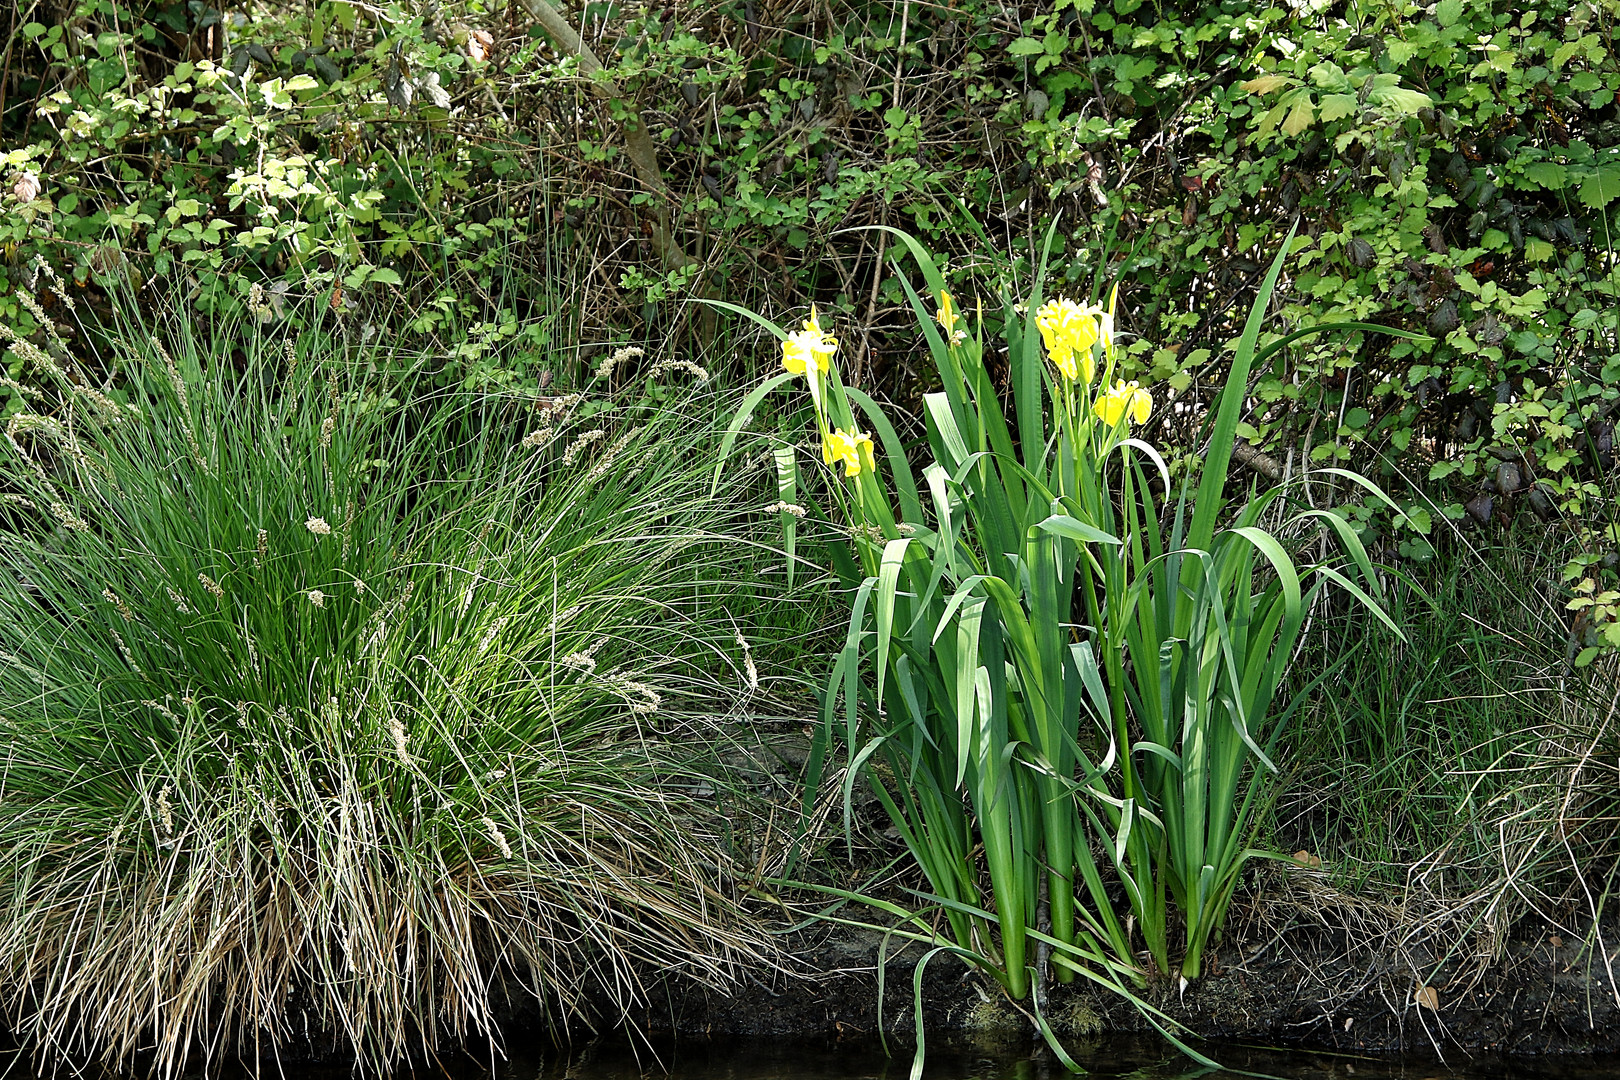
{"points": [[1114, 1059]]}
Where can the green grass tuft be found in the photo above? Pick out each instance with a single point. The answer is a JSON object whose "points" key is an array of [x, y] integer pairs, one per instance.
{"points": [[327, 708]]}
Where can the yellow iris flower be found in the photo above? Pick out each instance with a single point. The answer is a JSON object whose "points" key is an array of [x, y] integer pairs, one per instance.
{"points": [[946, 316], [853, 448], [1069, 330], [810, 349], [1121, 400]]}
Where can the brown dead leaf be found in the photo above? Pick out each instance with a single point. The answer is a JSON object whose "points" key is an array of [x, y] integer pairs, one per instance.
{"points": [[1427, 997], [1305, 858], [26, 188], [1265, 84], [1556, 942]]}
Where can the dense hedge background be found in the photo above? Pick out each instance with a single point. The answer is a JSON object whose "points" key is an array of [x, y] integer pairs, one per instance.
{"points": [[447, 174]]}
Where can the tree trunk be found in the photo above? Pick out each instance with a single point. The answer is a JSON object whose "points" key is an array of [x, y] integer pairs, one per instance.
{"points": [[637, 141]]}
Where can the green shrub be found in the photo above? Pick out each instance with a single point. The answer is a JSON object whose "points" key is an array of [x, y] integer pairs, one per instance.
{"points": [[1454, 164], [324, 709]]}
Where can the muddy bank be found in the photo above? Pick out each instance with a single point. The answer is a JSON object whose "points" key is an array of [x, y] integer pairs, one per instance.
{"points": [[1302, 963], [1303, 983]]}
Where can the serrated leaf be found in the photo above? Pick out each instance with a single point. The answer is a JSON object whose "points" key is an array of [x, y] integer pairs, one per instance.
{"points": [[1601, 187], [326, 69], [1300, 116], [1330, 76], [1337, 107], [1538, 250], [1026, 46], [1272, 118], [1402, 100], [1547, 174], [436, 94]]}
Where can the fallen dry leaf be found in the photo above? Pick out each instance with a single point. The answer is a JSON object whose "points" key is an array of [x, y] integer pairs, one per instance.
{"points": [[1556, 942], [1305, 858], [1428, 998], [26, 188]]}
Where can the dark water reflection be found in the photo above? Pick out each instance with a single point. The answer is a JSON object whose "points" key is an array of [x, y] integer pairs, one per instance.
{"points": [[1109, 1059]]}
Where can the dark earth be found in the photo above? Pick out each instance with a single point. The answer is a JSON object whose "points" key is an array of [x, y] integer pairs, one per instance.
{"points": [[1301, 986]]}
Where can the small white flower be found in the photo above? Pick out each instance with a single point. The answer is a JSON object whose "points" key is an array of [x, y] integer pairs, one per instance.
{"points": [[317, 598], [318, 526]]}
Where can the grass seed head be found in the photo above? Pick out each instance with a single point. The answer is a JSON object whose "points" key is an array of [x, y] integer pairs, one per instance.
{"points": [[401, 739], [605, 462], [499, 837], [490, 634], [577, 447], [165, 811], [70, 521], [620, 356], [663, 367], [118, 602], [640, 697]]}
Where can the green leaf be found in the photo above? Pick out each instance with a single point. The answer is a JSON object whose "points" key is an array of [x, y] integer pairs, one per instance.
{"points": [[1547, 174], [1601, 187], [1026, 46], [787, 491], [894, 556], [739, 420], [1074, 529], [1229, 412], [1331, 77], [1337, 107], [1401, 100]]}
